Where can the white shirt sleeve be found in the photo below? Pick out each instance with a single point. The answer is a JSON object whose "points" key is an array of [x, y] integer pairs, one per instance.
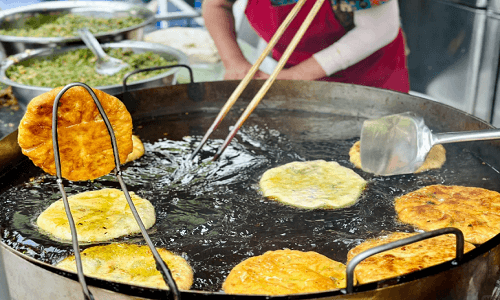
{"points": [[374, 28]]}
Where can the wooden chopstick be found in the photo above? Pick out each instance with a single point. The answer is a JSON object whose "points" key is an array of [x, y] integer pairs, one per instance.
{"points": [[246, 80], [263, 90]]}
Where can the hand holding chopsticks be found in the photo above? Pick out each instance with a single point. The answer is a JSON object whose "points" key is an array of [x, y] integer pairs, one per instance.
{"points": [[258, 97]]}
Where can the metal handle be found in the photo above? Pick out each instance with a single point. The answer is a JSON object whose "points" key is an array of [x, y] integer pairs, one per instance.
{"points": [[465, 136], [129, 99], [420, 237], [93, 44], [160, 264], [125, 78]]}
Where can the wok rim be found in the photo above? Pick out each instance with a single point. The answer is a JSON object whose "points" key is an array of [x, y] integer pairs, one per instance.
{"points": [[136, 290]]}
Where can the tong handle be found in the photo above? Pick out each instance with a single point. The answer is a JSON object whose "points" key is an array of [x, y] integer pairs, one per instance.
{"points": [[160, 264]]}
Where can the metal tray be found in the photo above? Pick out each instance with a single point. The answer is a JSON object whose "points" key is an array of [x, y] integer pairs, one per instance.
{"points": [[24, 93]]}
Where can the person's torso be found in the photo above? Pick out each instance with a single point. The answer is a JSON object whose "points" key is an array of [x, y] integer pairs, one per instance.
{"points": [[323, 31], [376, 70]]}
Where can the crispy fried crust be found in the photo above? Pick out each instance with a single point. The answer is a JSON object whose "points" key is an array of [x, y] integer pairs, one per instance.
{"points": [[283, 272], [138, 149], [99, 216], [435, 158], [313, 184], [475, 211], [131, 264], [84, 142], [403, 260]]}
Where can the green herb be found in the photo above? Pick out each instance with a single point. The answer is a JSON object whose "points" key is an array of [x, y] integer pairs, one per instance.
{"points": [[79, 66], [66, 25]]}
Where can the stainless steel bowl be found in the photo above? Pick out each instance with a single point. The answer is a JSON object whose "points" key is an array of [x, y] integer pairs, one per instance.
{"points": [[24, 93], [105, 9]]}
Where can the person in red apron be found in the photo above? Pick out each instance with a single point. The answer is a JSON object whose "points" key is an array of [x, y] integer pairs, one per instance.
{"points": [[349, 41]]}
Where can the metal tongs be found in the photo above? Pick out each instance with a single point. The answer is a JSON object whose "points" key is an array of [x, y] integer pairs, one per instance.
{"points": [[399, 144], [260, 94], [160, 264]]}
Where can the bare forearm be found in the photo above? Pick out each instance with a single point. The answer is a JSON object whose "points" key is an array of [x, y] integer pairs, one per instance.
{"points": [[309, 69], [375, 28], [219, 21]]}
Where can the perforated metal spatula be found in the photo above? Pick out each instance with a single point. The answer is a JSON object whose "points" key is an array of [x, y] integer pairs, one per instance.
{"points": [[398, 144]]}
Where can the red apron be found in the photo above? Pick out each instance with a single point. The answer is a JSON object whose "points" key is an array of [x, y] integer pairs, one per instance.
{"points": [[386, 68]]}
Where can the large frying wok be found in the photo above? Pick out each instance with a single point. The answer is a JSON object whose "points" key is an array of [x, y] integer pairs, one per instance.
{"points": [[215, 215]]}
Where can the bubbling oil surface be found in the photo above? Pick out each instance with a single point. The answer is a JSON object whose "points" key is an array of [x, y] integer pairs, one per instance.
{"points": [[213, 213]]}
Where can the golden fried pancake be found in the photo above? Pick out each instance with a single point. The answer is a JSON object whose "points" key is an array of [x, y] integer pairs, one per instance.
{"points": [[131, 264], [84, 142], [403, 260], [312, 184], [475, 211], [434, 159], [138, 149], [99, 216], [283, 272]]}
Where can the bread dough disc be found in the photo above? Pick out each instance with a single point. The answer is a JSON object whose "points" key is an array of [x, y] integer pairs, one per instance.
{"points": [[405, 259], [475, 211], [84, 142], [138, 149], [196, 43], [313, 184], [283, 272], [131, 264], [99, 216], [435, 159]]}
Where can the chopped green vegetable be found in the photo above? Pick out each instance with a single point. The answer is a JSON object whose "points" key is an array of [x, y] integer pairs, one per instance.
{"points": [[67, 25], [79, 66]]}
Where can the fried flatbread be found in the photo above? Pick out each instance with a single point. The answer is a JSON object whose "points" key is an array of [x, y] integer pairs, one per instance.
{"points": [[138, 149], [99, 216], [313, 184], [131, 264], [84, 142], [283, 272], [435, 159], [405, 259], [475, 211]]}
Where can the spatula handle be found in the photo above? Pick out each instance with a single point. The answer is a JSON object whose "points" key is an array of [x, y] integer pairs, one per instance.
{"points": [[465, 136], [92, 43]]}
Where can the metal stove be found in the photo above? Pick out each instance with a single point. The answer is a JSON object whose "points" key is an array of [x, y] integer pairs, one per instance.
{"points": [[454, 53]]}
